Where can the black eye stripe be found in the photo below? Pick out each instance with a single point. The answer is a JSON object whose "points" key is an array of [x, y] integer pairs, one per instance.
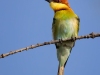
{"points": [[56, 1]]}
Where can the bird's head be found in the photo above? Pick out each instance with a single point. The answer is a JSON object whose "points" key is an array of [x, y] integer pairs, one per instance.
{"points": [[59, 4]]}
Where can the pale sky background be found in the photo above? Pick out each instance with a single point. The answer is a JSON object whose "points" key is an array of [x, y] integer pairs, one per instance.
{"points": [[27, 22]]}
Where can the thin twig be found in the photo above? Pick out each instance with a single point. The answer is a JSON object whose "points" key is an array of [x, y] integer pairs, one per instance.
{"points": [[92, 35]]}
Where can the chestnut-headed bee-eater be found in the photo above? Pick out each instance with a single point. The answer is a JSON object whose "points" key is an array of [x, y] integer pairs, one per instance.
{"points": [[65, 25]]}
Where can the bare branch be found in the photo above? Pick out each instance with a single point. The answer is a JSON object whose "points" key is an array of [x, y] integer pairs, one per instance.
{"points": [[92, 35]]}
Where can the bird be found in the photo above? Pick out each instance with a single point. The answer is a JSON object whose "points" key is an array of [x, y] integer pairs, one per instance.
{"points": [[65, 25]]}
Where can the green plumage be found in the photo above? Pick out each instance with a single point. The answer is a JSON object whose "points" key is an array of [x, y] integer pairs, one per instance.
{"points": [[65, 25]]}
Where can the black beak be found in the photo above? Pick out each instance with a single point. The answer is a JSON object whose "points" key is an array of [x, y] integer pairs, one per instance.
{"points": [[48, 0], [53, 0]]}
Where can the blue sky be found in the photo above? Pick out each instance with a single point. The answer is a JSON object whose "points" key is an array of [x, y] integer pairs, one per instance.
{"points": [[27, 22]]}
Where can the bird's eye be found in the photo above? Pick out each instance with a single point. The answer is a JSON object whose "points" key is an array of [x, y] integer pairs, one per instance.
{"points": [[57, 1]]}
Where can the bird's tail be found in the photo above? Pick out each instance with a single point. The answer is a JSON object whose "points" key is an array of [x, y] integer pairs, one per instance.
{"points": [[60, 70]]}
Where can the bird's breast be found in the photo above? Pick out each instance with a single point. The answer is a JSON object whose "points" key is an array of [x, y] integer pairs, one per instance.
{"points": [[63, 29]]}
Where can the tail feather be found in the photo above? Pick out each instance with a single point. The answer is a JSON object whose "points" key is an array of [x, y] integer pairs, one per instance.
{"points": [[60, 70], [63, 53], [67, 58]]}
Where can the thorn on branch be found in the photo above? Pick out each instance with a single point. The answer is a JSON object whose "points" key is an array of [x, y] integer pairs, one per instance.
{"points": [[2, 55], [85, 36], [20, 51], [73, 39], [60, 40], [11, 52], [48, 43], [88, 36], [38, 44], [32, 46], [45, 43], [51, 42], [27, 48], [92, 35]]}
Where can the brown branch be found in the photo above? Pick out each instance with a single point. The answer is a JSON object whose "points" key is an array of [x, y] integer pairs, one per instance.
{"points": [[92, 35]]}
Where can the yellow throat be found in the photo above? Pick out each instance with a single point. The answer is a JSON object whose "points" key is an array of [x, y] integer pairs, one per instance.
{"points": [[58, 6]]}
